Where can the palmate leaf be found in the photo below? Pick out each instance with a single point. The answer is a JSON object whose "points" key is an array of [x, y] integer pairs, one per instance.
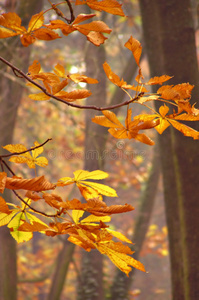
{"points": [[130, 130], [166, 120], [89, 189], [31, 161], [11, 23]]}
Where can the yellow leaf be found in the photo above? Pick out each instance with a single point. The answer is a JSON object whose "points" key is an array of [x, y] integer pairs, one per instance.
{"points": [[84, 175], [39, 97], [36, 21], [87, 188], [117, 253], [119, 235], [93, 219], [76, 215], [21, 236], [15, 148]]}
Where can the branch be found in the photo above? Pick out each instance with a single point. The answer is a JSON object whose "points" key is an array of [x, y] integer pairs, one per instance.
{"points": [[35, 210], [60, 14], [28, 150], [15, 69]]}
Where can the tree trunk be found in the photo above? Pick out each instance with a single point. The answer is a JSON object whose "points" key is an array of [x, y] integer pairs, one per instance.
{"points": [[121, 284], [63, 262], [91, 285], [10, 95], [170, 44]]}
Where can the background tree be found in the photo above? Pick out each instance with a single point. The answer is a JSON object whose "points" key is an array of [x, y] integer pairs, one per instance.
{"points": [[170, 40], [9, 102]]}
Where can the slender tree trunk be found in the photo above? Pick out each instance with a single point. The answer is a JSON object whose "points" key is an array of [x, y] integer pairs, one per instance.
{"points": [[170, 44], [10, 95], [63, 262], [121, 284], [91, 285]]}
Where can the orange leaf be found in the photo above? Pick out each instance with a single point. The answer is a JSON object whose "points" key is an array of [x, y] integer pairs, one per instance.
{"points": [[117, 253], [74, 95], [35, 226], [135, 47], [36, 21], [36, 184], [3, 206], [11, 21], [46, 34], [110, 6], [158, 80], [34, 68], [186, 130], [82, 78], [3, 177]]}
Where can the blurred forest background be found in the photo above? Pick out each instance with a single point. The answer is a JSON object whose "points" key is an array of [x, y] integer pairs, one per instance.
{"points": [[51, 268]]}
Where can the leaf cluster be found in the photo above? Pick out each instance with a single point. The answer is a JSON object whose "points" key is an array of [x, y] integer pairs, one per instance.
{"points": [[85, 224]]}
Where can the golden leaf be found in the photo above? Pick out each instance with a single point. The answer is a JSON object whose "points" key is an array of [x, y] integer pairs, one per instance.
{"points": [[109, 6], [117, 253], [135, 47]]}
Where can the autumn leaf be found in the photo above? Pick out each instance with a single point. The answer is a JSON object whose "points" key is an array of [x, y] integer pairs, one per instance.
{"points": [[26, 157], [89, 189], [3, 176], [110, 6], [3, 206], [82, 78], [93, 30], [158, 80], [118, 254], [166, 120], [12, 23], [119, 131], [176, 92], [74, 95], [36, 184], [135, 47]]}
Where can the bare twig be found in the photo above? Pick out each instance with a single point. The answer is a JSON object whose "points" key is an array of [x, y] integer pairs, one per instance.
{"points": [[59, 12]]}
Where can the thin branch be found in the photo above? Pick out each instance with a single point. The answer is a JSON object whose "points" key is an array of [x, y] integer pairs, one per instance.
{"points": [[59, 12], [61, 100], [28, 150], [7, 166], [35, 210]]}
